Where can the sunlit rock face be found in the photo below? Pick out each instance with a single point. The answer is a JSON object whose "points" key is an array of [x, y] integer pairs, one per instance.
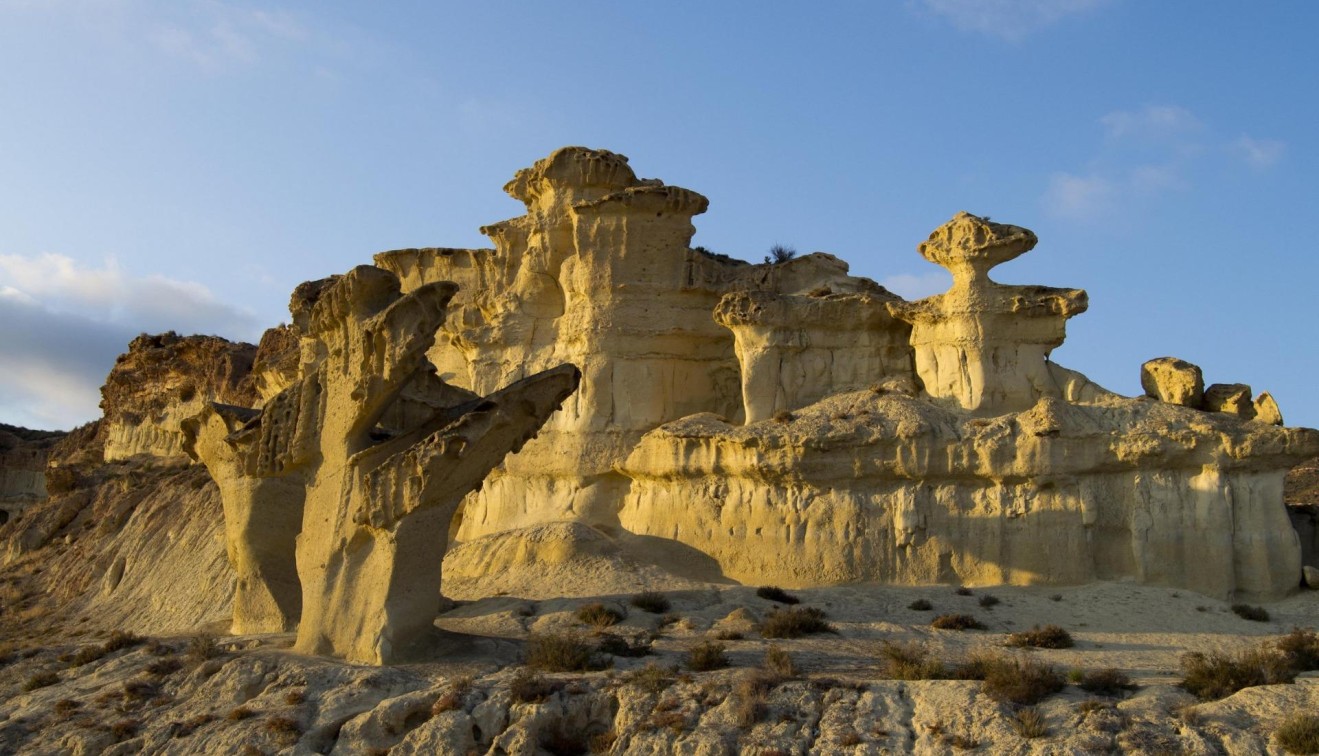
{"points": [[1002, 467], [339, 492], [599, 273]]}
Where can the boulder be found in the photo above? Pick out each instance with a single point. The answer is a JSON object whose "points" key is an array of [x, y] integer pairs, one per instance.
{"points": [[1230, 399], [1175, 381]]}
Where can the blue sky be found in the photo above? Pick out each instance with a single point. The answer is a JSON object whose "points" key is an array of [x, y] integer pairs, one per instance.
{"points": [[177, 164]]}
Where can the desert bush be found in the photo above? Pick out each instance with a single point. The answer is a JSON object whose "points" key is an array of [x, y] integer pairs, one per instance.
{"points": [[1218, 675], [774, 593], [963, 591], [1056, 597], [794, 623], [1252, 613], [192, 724], [615, 645], [125, 729], [920, 605], [1299, 733], [1049, 636], [162, 667], [750, 696], [1105, 682], [448, 701], [1301, 647], [65, 708], [120, 640], [1030, 723], [287, 729], [203, 646], [40, 680], [599, 615], [530, 687], [910, 661], [239, 714], [651, 601], [779, 254], [706, 656], [728, 635], [989, 602], [139, 690], [86, 655], [554, 652], [1020, 681], [780, 662], [651, 678], [784, 417], [956, 622]]}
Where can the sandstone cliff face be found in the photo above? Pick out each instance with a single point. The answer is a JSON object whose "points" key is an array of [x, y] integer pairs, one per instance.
{"points": [[599, 273], [161, 381], [23, 454]]}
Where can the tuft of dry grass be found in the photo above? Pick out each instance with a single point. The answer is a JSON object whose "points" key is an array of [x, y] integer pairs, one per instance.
{"points": [[910, 661], [120, 640], [239, 714], [1015, 680], [780, 662], [784, 416], [706, 656], [615, 645], [920, 605], [651, 678], [287, 729], [598, 615], [794, 623], [956, 622], [203, 646], [1299, 733], [651, 601], [163, 667], [1029, 723], [1049, 636], [40, 680], [1301, 647], [125, 729], [530, 687]]}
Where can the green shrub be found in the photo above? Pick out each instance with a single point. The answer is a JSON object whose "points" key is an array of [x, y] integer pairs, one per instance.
{"points": [[1299, 733], [706, 656], [651, 601], [1049, 636], [794, 623], [956, 622], [774, 593]]}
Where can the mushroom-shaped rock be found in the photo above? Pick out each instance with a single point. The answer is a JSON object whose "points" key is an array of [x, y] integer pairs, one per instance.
{"points": [[1230, 399], [1174, 381]]}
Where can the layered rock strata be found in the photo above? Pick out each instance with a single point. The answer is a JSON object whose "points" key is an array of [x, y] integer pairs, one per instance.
{"points": [[1005, 468], [373, 453]]}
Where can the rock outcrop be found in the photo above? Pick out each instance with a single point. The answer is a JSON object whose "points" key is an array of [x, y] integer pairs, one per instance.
{"points": [[164, 379], [23, 455], [372, 452]]}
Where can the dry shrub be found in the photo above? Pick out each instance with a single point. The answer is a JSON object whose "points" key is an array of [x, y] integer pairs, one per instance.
{"points": [[40, 680], [1252, 613], [910, 661], [608, 643], [87, 655], [449, 701], [1301, 647], [728, 635], [599, 615], [530, 687], [287, 729], [601, 742], [163, 667], [1049, 636], [1217, 675], [963, 591], [651, 678], [749, 698], [774, 593], [784, 417], [794, 623], [651, 601], [706, 656], [125, 729], [554, 652], [1020, 681], [294, 697], [192, 724], [956, 622], [1299, 733], [1105, 682], [989, 602], [121, 640], [920, 605], [780, 662], [65, 708], [202, 646], [239, 714], [1030, 723]]}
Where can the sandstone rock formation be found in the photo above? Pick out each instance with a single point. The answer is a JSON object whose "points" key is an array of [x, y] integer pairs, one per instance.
{"points": [[1175, 381], [372, 453], [23, 454], [164, 379]]}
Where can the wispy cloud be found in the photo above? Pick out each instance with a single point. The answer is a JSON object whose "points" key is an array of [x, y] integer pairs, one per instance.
{"points": [[1151, 122], [1259, 154], [1011, 20], [1079, 197], [62, 323], [216, 36]]}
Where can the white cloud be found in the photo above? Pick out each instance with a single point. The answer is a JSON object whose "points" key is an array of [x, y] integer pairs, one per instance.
{"points": [[217, 36], [1079, 197], [1008, 19], [63, 323], [1151, 122], [911, 286], [1259, 153]]}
